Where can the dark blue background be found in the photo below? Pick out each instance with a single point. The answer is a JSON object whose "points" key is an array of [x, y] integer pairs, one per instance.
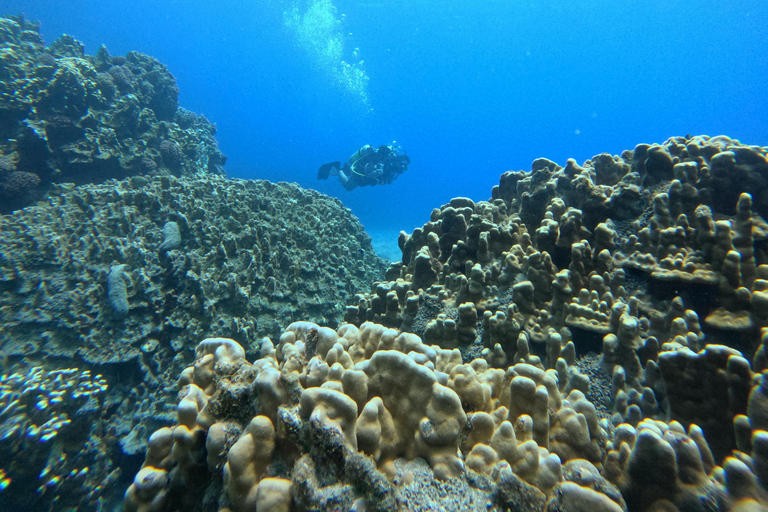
{"points": [[470, 89]]}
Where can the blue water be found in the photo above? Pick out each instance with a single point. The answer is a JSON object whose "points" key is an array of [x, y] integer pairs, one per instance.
{"points": [[470, 89]]}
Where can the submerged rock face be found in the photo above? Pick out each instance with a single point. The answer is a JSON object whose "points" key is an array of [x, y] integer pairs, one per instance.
{"points": [[494, 406], [499, 404], [124, 278], [369, 419], [578, 246], [174, 259], [70, 117], [655, 258]]}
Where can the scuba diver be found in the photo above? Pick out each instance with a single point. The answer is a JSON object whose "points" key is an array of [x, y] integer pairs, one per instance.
{"points": [[368, 166]]}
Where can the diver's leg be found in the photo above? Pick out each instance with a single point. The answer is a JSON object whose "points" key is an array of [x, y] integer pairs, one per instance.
{"points": [[346, 182], [346, 177]]}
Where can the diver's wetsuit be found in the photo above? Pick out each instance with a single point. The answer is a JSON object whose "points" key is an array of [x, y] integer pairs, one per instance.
{"points": [[368, 166]]}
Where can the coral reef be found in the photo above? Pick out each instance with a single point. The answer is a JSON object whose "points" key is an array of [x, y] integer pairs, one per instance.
{"points": [[70, 117], [592, 337], [577, 247], [124, 278], [342, 419], [655, 260]]}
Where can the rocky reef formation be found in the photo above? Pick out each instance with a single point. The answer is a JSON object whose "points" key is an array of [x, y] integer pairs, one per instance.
{"points": [[671, 235], [68, 117], [373, 419], [593, 337], [125, 277], [559, 360]]}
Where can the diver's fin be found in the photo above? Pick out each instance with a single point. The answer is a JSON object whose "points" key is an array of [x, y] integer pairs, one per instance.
{"points": [[330, 169]]}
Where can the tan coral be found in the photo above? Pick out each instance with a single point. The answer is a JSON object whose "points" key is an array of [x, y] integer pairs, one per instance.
{"points": [[189, 435], [247, 462], [323, 338], [474, 395], [274, 495], [331, 409], [148, 491], [376, 432], [571, 497], [427, 416]]}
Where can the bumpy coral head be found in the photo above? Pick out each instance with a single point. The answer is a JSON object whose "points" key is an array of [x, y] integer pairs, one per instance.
{"points": [[17, 182]]}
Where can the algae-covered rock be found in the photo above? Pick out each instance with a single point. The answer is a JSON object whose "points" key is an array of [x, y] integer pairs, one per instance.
{"points": [[70, 117], [125, 277]]}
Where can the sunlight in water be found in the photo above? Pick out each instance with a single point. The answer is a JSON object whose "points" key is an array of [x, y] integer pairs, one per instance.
{"points": [[319, 31]]}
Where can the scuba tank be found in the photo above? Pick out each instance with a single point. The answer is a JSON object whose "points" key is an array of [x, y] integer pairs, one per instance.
{"points": [[361, 153]]}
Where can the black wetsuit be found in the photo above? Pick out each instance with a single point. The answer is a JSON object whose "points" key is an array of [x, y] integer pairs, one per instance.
{"points": [[368, 167], [378, 167]]}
